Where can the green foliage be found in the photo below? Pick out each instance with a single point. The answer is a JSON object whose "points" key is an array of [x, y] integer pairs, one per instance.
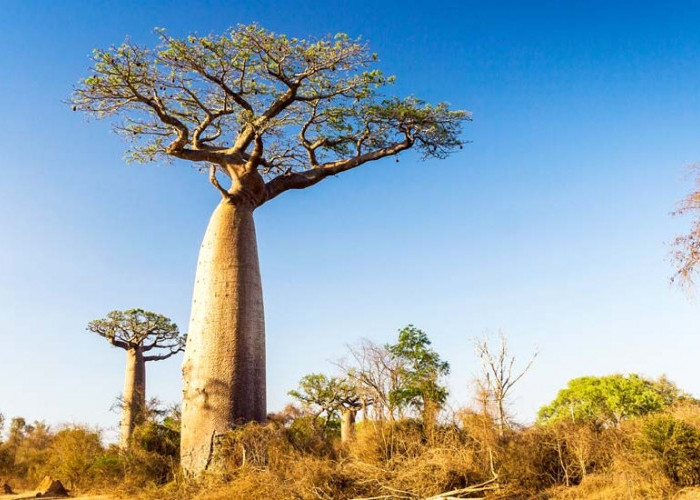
{"points": [[304, 435], [159, 438], [421, 370], [139, 328], [676, 444], [209, 91], [325, 397], [155, 448], [73, 456], [610, 399]]}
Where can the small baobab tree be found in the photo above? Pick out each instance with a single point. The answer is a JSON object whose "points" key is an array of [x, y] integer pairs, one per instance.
{"points": [[271, 114], [138, 332], [331, 397]]}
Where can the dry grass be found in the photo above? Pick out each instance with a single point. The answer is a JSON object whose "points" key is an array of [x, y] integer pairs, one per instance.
{"points": [[652, 457]]}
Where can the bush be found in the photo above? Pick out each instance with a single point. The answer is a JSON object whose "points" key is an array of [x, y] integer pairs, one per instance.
{"points": [[73, 455], [676, 445]]}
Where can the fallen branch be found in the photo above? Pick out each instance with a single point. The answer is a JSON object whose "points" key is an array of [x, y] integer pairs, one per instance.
{"points": [[476, 488]]}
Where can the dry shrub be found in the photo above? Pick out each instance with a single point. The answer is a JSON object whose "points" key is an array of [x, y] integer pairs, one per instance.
{"points": [[269, 461], [381, 441], [608, 486], [397, 457], [252, 444], [249, 483], [541, 457]]}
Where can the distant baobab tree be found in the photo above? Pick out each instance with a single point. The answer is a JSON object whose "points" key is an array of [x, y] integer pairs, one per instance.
{"points": [[138, 332], [270, 113]]}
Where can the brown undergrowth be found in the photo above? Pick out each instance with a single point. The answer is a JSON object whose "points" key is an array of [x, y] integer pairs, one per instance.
{"points": [[657, 456]]}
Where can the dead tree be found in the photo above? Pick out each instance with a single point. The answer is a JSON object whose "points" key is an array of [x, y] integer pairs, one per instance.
{"points": [[498, 379]]}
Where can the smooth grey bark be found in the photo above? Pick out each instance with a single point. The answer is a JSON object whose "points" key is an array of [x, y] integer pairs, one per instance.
{"points": [[224, 364], [134, 395]]}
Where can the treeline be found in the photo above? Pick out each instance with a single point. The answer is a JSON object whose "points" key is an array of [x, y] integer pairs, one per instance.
{"points": [[378, 427], [79, 458]]}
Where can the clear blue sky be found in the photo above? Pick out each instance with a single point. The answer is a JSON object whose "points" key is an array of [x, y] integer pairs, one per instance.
{"points": [[552, 225]]}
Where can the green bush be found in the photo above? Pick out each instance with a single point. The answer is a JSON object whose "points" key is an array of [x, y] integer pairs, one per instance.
{"points": [[73, 453], [676, 445]]}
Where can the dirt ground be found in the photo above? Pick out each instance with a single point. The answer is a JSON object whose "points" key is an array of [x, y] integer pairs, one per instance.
{"points": [[32, 494]]}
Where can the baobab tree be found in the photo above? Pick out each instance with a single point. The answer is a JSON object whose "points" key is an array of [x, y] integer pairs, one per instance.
{"points": [[332, 397], [138, 332], [271, 114]]}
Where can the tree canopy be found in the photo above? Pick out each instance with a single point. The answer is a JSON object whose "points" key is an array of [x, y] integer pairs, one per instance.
{"points": [[326, 395], [421, 370], [250, 102], [136, 328], [610, 399]]}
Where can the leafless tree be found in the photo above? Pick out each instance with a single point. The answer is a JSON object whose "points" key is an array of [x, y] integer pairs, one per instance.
{"points": [[495, 385], [686, 247], [376, 373]]}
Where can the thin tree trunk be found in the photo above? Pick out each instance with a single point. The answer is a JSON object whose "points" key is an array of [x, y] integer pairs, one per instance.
{"points": [[224, 365], [501, 416], [347, 425], [134, 395], [430, 410]]}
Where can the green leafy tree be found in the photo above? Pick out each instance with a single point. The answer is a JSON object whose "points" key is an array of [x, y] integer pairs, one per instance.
{"points": [[421, 370], [271, 114], [609, 400]]}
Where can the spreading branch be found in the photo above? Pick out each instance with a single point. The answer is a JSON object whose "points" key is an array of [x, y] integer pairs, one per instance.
{"points": [[260, 107], [142, 330]]}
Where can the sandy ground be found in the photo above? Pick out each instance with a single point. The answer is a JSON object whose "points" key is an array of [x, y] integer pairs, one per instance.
{"points": [[32, 494]]}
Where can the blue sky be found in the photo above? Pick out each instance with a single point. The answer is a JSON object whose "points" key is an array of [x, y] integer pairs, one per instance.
{"points": [[552, 225]]}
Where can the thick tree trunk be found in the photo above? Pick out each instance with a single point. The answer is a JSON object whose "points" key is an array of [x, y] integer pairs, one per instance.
{"points": [[134, 395], [347, 425], [224, 366]]}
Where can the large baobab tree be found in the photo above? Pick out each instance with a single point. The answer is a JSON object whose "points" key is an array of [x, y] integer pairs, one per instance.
{"points": [[138, 332], [270, 114]]}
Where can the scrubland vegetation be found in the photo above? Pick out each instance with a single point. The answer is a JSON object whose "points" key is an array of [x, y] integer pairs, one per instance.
{"points": [[601, 437]]}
